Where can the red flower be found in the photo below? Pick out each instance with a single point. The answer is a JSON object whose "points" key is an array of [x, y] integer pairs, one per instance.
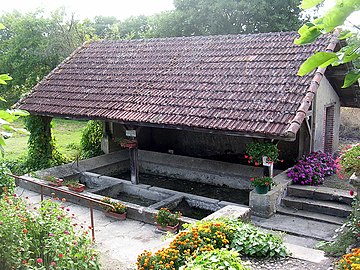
{"points": [[351, 193], [25, 231], [61, 255], [256, 163], [249, 161], [246, 156], [39, 260], [252, 179]]}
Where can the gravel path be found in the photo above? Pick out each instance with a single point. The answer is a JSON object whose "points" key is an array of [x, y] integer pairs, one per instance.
{"points": [[287, 264]]}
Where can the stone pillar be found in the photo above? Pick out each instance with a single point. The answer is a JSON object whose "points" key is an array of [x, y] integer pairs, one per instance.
{"points": [[355, 181], [134, 165]]}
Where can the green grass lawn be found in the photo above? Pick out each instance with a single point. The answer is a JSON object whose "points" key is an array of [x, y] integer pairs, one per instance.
{"points": [[67, 134]]}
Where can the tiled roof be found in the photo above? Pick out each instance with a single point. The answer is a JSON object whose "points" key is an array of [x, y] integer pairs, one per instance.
{"points": [[244, 84]]}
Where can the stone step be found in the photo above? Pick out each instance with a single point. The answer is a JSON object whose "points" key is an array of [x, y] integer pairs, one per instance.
{"points": [[311, 215], [297, 226], [320, 193], [323, 207]]}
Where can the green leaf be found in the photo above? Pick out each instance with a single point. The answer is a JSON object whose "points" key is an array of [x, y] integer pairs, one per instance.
{"points": [[321, 59], [2, 141], [345, 34], [8, 127], [4, 78], [2, 99], [309, 32], [351, 77], [2, 26], [306, 4]]}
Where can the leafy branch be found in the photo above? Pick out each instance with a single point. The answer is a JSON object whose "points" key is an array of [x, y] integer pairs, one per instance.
{"points": [[310, 31]]}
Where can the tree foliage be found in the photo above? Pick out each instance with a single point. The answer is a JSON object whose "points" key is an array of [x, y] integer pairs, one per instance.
{"points": [[333, 18], [32, 45]]}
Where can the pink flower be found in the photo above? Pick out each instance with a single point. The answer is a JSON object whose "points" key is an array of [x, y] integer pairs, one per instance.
{"points": [[281, 160], [351, 193], [246, 156], [256, 163], [39, 260], [53, 263], [252, 179], [66, 232], [250, 157]]}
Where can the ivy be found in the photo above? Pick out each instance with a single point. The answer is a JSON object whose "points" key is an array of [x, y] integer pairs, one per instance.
{"points": [[42, 152], [91, 139]]}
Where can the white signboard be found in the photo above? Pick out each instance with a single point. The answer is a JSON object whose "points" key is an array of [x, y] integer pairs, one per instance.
{"points": [[130, 133]]}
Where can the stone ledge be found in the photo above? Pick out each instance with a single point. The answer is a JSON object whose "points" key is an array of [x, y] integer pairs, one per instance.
{"points": [[231, 211]]}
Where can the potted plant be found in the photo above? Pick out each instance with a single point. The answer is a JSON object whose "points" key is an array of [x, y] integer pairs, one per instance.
{"points": [[74, 185], [257, 150], [118, 211], [261, 184], [126, 143], [54, 181], [167, 221]]}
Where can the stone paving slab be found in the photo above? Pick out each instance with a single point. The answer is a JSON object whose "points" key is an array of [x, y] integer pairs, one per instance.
{"points": [[120, 242], [297, 226]]}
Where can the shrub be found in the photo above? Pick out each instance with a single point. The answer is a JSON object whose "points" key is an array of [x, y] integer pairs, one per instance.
{"points": [[165, 218], [354, 219], [198, 238], [250, 241], [45, 239], [91, 139], [206, 236], [350, 261], [255, 151], [350, 161], [7, 183], [216, 259], [312, 169]]}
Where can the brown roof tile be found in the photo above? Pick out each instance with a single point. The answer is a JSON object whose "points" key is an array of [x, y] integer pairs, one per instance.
{"points": [[235, 83]]}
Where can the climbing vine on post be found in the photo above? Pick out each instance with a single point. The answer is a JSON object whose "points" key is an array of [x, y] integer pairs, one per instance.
{"points": [[42, 152]]}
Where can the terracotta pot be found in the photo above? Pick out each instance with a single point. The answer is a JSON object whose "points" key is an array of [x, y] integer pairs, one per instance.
{"points": [[78, 188], [168, 228], [57, 183], [116, 215], [262, 189]]}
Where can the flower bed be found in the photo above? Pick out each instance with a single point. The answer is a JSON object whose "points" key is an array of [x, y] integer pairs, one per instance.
{"points": [[207, 236], [312, 169], [45, 238], [350, 261]]}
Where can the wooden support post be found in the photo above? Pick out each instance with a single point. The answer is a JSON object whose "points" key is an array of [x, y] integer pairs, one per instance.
{"points": [[134, 165]]}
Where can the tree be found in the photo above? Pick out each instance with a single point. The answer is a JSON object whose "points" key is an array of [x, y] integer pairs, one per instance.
{"points": [[32, 45], [213, 17], [334, 17]]}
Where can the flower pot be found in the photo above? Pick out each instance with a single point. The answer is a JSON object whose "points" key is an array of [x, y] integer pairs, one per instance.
{"points": [[57, 183], [78, 188], [116, 215], [168, 228], [262, 189]]}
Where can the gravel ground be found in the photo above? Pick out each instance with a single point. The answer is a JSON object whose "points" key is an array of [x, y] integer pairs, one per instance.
{"points": [[287, 264]]}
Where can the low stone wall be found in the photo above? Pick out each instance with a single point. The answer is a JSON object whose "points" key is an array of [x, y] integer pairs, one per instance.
{"points": [[265, 205]]}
